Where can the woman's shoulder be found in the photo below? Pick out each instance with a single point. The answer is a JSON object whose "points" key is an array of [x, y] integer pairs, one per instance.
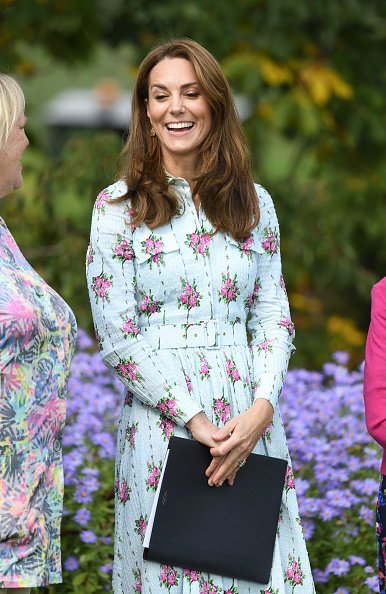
{"points": [[378, 292], [266, 206], [113, 191], [107, 202]]}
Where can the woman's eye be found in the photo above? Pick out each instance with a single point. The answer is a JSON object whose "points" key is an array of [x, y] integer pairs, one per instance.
{"points": [[193, 94], [159, 97]]}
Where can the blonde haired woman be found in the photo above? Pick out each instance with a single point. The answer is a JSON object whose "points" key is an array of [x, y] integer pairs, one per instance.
{"points": [[183, 249], [37, 335]]}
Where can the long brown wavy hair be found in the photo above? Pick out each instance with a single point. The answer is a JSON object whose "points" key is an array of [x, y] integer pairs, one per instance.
{"points": [[223, 182]]}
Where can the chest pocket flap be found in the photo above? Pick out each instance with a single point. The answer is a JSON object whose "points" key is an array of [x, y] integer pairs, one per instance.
{"points": [[149, 245]]}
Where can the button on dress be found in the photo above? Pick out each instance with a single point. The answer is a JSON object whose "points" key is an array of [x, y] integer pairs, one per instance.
{"points": [[171, 307], [37, 339]]}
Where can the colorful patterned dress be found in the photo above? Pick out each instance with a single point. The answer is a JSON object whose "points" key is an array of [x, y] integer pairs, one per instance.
{"points": [[37, 337], [170, 308]]}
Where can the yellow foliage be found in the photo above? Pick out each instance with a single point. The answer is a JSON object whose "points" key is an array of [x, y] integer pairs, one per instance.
{"points": [[305, 304], [346, 330], [323, 82], [273, 72]]}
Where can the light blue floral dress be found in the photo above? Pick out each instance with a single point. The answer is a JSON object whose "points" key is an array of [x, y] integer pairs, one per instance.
{"points": [[170, 308]]}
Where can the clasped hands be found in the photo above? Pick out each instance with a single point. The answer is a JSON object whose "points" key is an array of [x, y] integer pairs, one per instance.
{"points": [[232, 443]]}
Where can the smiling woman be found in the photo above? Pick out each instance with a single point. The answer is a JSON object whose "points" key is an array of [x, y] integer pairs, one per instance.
{"points": [[179, 113], [184, 257]]}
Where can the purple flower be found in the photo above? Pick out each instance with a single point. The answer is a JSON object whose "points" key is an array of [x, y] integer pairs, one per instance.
{"points": [[88, 536], [82, 516], [71, 563]]}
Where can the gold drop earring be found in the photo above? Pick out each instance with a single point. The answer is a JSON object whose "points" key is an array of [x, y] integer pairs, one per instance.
{"points": [[152, 132]]}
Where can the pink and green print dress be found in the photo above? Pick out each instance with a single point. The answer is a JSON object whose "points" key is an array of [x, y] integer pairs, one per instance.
{"points": [[171, 307], [37, 336]]}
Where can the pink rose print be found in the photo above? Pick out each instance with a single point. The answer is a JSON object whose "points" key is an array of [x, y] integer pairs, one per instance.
{"points": [[208, 587], [199, 242], [153, 245], [294, 574], [188, 382], [123, 491], [129, 329], [204, 366], [168, 577], [265, 346], [282, 283], [153, 476], [232, 590], [138, 580], [128, 369], [231, 371], [191, 575], [128, 399], [289, 482], [189, 297], [148, 306], [166, 426], [270, 590], [101, 285], [229, 290], [245, 247], [221, 409], [270, 243], [131, 432], [254, 296], [101, 200], [123, 250], [99, 341], [90, 255], [268, 432], [288, 324], [130, 215], [168, 407], [141, 525]]}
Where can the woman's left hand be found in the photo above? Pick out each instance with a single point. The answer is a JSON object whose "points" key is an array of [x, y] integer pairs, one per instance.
{"points": [[241, 435]]}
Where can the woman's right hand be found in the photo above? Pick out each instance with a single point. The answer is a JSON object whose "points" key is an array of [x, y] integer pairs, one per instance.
{"points": [[202, 429]]}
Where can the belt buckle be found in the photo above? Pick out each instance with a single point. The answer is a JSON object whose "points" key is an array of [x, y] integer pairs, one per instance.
{"points": [[212, 335]]}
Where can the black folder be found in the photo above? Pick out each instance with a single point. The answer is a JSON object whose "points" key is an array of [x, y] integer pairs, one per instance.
{"points": [[228, 531]]}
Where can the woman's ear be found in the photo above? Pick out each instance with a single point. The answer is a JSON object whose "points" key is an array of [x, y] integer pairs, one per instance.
{"points": [[147, 107]]}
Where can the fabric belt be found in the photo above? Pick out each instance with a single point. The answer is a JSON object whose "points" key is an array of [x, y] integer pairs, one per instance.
{"points": [[211, 334]]}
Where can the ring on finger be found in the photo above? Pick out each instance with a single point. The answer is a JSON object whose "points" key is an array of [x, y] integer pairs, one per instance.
{"points": [[241, 462]]}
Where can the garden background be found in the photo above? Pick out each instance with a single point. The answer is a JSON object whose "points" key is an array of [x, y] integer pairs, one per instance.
{"points": [[314, 77]]}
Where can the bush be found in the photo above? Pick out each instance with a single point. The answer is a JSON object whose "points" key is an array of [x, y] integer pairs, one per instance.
{"points": [[335, 464]]}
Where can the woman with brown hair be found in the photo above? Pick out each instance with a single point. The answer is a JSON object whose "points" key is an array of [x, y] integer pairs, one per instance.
{"points": [[184, 248]]}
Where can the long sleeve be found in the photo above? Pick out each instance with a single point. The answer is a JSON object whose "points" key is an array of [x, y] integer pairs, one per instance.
{"points": [[111, 283], [270, 323], [374, 390]]}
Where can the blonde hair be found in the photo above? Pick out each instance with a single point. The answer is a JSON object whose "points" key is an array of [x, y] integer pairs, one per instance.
{"points": [[12, 105], [224, 180]]}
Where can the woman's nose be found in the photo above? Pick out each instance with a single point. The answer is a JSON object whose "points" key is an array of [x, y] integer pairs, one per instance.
{"points": [[177, 104]]}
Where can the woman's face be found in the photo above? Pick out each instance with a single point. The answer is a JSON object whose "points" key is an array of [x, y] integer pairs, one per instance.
{"points": [[10, 158], [180, 115]]}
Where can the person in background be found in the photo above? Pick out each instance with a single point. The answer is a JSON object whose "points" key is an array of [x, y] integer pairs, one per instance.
{"points": [[183, 249], [37, 338], [374, 392]]}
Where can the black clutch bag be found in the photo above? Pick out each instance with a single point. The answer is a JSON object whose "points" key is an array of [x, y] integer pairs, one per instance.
{"points": [[228, 531]]}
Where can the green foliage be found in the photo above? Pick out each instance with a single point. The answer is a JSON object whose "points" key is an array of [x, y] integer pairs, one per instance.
{"points": [[50, 217]]}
